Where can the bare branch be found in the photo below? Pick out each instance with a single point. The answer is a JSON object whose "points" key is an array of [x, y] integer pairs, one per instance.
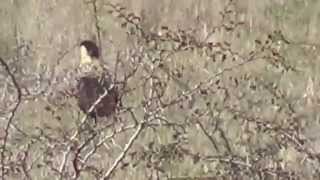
{"points": [[124, 152], [12, 116]]}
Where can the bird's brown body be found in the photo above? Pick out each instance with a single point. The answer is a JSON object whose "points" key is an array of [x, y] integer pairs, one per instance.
{"points": [[93, 83], [90, 90]]}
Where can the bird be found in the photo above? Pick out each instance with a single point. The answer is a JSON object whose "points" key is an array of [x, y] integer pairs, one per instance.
{"points": [[94, 80]]}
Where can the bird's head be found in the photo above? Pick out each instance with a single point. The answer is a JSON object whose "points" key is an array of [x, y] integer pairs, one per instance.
{"points": [[89, 53]]}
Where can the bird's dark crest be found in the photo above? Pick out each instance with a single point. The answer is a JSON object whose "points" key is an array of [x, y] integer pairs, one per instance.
{"points": [[92, 48]]}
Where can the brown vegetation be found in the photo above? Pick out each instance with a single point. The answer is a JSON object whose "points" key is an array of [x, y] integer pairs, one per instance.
{"points": [[209, 90]]}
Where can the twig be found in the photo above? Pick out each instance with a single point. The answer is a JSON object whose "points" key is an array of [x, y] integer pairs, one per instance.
{"points": [[206, 133], [97, 26], [64, 162], [83, 120], [104, 139], [124, 152], [13, 113], [77, 169]]}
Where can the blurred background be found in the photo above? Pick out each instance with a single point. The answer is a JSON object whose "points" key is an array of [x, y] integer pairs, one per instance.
{"points": [[238, 81]]}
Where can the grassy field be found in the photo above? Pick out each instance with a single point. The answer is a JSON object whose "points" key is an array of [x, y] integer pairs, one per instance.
{"points": [[213, 89]]}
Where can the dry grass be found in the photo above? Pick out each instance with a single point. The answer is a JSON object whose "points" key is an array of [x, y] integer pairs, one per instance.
{"points": [[239, 102]]}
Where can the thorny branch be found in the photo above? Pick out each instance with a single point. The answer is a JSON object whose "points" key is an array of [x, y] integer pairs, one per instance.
{"points": [[124, 152], [228, 101], [11, 118], [76, 133]]}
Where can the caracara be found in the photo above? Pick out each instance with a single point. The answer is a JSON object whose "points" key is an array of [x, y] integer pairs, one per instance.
{"points": [[94, 80]]}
